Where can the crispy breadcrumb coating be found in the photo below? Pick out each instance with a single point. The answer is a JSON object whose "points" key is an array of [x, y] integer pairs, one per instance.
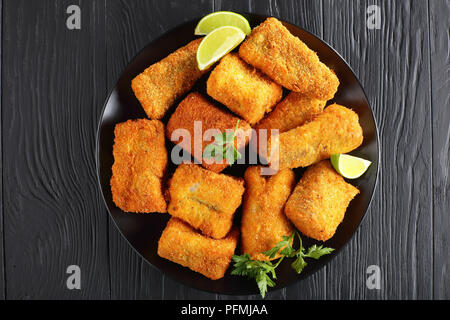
{"points": [[205, 199], [335, 130], [140, 162], [293, 111], [195, 107], [318, 204], [162, 83], [288, 61], [181, 244], [263, 220], [243, 89]]}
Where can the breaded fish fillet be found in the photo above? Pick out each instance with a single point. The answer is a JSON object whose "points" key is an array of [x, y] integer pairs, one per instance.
{"points": [[181, 244], [243, 89], [318, 204], [140, 162], [335, 130], [288, 61], [197, 108], [263, 220], [162, 83], [205, 199], [293, 111]]}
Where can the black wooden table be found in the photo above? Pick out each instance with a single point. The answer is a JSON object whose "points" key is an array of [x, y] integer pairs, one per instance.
{"points": [[55, 81]]}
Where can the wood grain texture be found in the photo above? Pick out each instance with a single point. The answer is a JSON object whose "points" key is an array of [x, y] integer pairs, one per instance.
{"points": [[393, 65], [130, 26], [53, 213], [439, 12], [308, 15], [2, 252]]}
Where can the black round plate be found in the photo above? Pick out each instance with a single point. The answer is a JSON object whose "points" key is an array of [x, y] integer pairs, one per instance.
{"points": [[142, 231]]}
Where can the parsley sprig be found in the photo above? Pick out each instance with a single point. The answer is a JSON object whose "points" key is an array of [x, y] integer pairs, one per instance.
{"points": [[223, 147], [262, 271]]}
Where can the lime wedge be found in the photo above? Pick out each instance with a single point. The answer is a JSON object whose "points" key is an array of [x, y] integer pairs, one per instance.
{"points": [[348, 166], [219, 19], [217, 44]]}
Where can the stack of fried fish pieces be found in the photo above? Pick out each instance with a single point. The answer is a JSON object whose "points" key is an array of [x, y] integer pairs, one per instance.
{"points": [[202, 201]]}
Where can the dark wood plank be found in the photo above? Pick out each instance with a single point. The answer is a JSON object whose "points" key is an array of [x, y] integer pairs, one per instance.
{"points": [[53, 213], [393, 65], [439, 12], [130, 26], [303, 13], [308, 15], [2, 252]]}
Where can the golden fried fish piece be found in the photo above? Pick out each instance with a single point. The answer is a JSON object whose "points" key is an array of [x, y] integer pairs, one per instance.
{"points": [[243, 89], [205, 199], [140, 162], [162, 83], [335, 130], [319, 201], [195, 107], [263, 220], [288, 61], [293, 111], [181, 244]]}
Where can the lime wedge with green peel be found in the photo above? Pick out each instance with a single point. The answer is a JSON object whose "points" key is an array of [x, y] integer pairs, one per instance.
{"points": [[217, 44], [348, 166], [220, 19]]}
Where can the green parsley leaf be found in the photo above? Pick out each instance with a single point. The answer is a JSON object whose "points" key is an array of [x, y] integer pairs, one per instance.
{"points": [[230, 155], [223, 147], [285, 243], [254, 269], [316, 252], [299, 264], [210, 151], [263, 280], [220, 139], [262, 271]]}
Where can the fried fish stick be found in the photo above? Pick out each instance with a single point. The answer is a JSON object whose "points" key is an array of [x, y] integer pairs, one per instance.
{"points": [[205, 199], [288, 61], [140, 162], [319, 201], [208, 116], [263, 220], [336, 130], [243, 89], [162, 83], [293, 111], [181, 244]]}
